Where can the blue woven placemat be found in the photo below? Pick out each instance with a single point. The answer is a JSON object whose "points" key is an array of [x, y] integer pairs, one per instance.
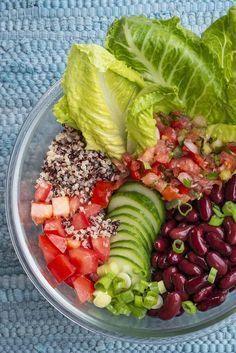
{"points": [[34, 39]]}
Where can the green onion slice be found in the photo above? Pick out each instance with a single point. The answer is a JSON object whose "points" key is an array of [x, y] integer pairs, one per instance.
{"points": [[146, 165], [126, 297], [217, 211], [187, 182], [216, 221], [229, 209], [212, 275], [189, 208], [138, 301], [140, 286], [212, 176], [161, 287], [153, 286], [189, 307], [178, 246], [105, 282]]}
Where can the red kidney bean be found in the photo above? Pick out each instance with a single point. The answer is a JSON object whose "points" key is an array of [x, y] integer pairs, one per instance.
{"points": [[217, 194], [198, 260], [228, 281], [181, 312], [154, 260], [189, 268], [205, 208], [207, 228], [161, 245], [170, 214], [218, 244], [171, 306], [230, 230], [182, 224], [212, 302], [233, 255], [180, 232], [179, 217], [168, 276], [157, 276], [192, 216], [195, 284], [196, 241], [179, 281], [174, 258], [162, 261], [230, 189], [166, 228], [203, 294], [214, 260]]}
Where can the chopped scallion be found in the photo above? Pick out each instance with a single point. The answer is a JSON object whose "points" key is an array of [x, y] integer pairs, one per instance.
{"points": [[146, 165], [187, 182], [229, 209], [138, 301], [149, 301], [104, 282], [188, 208], [189, 307], [159, 303], [217, 211], [216, 221], [140, 286], [178, 246], [154, 287], [212, 275], [212, 176], [161, 287], [101, 299], [126, 297]]}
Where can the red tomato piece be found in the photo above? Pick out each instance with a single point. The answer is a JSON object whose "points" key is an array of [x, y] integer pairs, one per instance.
{"points": [[74, 204], [170, 193], [92, 210], [71, 279], [59, 242], [155, 168], [168, 134], [232, 147], [40, 212], [84, 288], [85, 260], [228, 160], [199, 160], [61, 268], [42, 191], [102, 247], [48, 249], [54, 226], [102, 192], [61, 206], [135, 170], [181, 123], [183, 189], [80, 221], [162, 153]]}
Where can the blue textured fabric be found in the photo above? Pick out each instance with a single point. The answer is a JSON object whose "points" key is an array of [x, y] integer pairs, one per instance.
{"points": [[34, 39]]}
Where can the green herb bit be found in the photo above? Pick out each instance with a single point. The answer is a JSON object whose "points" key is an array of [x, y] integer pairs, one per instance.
{"points": [[187, 182], [189, 307], [212, 176], [216, 221]]}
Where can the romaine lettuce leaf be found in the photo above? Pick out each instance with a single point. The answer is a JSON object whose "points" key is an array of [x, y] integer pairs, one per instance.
{"points": [[98, 89], [223, 132], [141, 125], [166, 53]]}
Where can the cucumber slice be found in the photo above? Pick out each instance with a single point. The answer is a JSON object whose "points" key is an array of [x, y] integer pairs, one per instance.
{"points": [[133, 256], [151, 194], [129, 233], [138, 201], [133, 245], [135, 222], [128, 266]]}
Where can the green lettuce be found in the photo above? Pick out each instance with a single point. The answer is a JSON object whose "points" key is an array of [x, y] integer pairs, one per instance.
{"points": [[166, 53], [97, 91], [141, 125], [223, 132]]}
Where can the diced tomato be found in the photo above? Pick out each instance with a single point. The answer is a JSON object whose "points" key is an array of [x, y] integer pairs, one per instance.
{"points": [[92, 210], [135, 171], [73, 243], [80, 221], [170, 193], [102, 247], [162, 154], [54, 226], [150, 179], [84, 288], [199, 160], [168, 134], [148, 155], [61, 268], [185, 164], [183, 189], [74, 204], [181, 123], [48, 249], [85, 260], [232, 147], [40, 212], [228, 161], [61, 206], [155, 168], [102, 193], [42, 191], [71, 279], [59, 242]]}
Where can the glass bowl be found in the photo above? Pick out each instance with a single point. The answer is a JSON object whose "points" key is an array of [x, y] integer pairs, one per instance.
{"points": [[36, 134]]}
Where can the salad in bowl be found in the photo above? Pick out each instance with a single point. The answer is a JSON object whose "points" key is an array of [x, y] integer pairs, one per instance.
{"points": [[136, 198]]}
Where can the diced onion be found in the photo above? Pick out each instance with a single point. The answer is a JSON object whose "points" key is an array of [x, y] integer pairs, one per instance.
{"points": [[191, 146]]}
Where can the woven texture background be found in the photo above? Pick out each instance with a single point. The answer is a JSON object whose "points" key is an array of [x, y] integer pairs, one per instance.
{"points": [[34, 39]]}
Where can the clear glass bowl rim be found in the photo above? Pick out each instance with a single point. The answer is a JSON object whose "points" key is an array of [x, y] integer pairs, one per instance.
{"points": [[21, 142]]}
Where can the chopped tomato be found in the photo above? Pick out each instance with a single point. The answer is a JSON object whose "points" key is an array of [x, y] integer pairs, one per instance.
{"points": [[102, 247], [228, 161], [170, 193], [85, 260], [199, 160], [168, 134], [54, 226], [84, 288], [150, 179], [48, 249], [135, 170], [74, 204], [155, 168], [102, 192], [80, 221], [185, 164], [59, 242], [180, 123], [92, 210], [148, 155], [71, 279], [61, 206], [73, 243], [61, 268], [232, 147], [183, 189], [162, 154], [40, 212], [42, 191]]}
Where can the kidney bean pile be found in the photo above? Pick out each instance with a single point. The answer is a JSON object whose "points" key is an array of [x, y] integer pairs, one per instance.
{"points": [[185, 274]]}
